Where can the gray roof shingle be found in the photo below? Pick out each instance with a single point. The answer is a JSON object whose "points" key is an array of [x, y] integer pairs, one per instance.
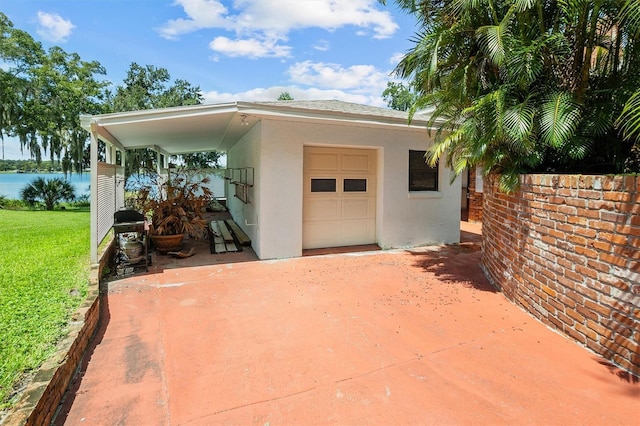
{"points": [[344, 108]]}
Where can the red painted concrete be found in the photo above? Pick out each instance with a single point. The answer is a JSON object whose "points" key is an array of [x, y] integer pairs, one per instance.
{"points": [[402, 337]]}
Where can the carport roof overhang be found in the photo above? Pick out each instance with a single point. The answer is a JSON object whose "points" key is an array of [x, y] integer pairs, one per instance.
{"points": [[202, 128]]}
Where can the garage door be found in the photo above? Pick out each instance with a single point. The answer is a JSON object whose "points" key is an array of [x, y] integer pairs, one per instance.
{"points": [[339, 197]]}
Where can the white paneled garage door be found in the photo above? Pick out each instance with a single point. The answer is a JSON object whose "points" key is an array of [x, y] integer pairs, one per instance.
{"points": [[339, 197]]}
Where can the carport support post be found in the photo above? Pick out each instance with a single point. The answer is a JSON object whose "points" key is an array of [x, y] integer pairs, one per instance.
{"points": [[94, 196]]}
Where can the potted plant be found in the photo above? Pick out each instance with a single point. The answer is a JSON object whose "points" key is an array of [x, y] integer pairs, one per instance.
{"points": [[174, 206]]}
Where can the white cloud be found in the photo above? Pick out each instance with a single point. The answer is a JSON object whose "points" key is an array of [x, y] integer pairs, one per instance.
{"points": [[286, 15], [251, 48], [298, 93], [54, 28], [322, 45], [396, 58], [260, 21], [200, 14], [361, 84], [355, 77]]}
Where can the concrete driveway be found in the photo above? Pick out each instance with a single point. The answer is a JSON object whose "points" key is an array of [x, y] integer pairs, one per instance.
{"points": [[400, 337]]}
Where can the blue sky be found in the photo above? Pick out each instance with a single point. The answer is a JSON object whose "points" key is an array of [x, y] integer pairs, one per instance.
{"points": [[250, 50]]}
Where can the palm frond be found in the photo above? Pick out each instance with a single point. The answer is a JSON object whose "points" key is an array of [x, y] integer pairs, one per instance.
{"points": [[522, 5], [508, 181], [459, 6], [559, 119], [629, 120], [440, 147], [519, 128], [630, 16], [493, 40]]}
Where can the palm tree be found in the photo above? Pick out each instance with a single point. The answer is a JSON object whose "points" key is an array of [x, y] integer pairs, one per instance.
{"points": [[527, 85], [47, 191]]}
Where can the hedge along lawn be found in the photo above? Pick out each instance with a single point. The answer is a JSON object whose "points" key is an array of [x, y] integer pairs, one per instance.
{"points": [[44, 276]]}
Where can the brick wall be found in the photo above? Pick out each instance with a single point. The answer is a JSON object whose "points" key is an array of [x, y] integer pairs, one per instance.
{"points": [[475, 198], [567, 249]]}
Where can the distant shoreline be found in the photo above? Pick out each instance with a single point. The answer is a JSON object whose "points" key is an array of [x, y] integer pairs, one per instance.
{"points": [[36, 172]]}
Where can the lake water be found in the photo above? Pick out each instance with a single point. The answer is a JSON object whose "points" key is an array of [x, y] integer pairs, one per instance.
{"points": [[12, 183]]}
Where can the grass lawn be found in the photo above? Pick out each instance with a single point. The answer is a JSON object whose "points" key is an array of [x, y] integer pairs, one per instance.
{"points": [[44, 274]]}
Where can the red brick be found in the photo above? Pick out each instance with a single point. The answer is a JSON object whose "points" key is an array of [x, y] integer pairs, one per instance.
{"points": [[613, 259], [590, 334], [558, 217], [548, 290], [599, 266], [586, 252], [590, 194], [565, 319], [576, 335], [619, 329], [569, 302], [630, 253], [623, 308], [549, 308], [586, 232], [630, 183], [575, 315], [609, 183], [603, 310], [613, 238], [623, 319], [627, 343], [557, 200], [565, 264], [585, 271], [601, 245], [586, 313], [576, 259], [576, 239], [577, 202], [632, 208], [568, 210], [553, 322], [617, 196], [572, 276], [556, 303], [598, 284], [600, 329], [565, 227], [613, 217], [627, 230]]}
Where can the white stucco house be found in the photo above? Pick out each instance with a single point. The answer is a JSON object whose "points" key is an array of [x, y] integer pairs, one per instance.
{"points": [[302, 174]]}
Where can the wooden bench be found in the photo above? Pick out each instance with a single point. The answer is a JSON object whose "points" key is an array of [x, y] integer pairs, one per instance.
{"points": [[220, 239], [226, 236], [241, 238]]}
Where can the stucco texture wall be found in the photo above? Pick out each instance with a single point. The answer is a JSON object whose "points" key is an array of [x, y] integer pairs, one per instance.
{"points": [[403, 219], [567, 249]]}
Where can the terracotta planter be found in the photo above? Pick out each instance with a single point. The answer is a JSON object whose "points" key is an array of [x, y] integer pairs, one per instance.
{"points": [[167, 243]]}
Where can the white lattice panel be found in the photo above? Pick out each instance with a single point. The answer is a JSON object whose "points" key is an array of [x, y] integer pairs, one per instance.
{"points": [[107, 201]]}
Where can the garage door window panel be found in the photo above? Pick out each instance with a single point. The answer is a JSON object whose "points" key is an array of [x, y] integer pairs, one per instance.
{"points": [[323, 185], [354, 185]]}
